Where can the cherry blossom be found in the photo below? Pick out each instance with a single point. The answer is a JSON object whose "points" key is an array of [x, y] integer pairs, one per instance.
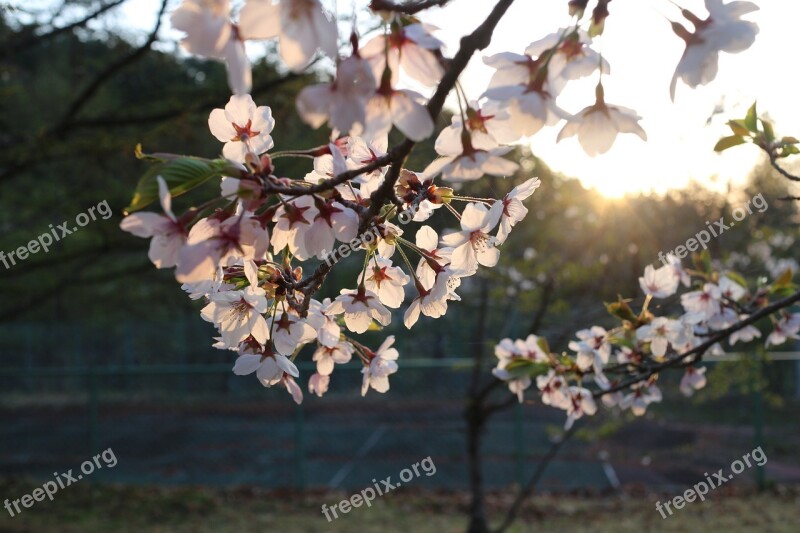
{"points": [[382, 364], [597, 126], [341, 103], [401, 108], [530, 105], [473, 245], [212, 243], [360, 308], [659, 283], [572, 58], [722, 31], [659, 333], [411, 48], [325, 356], [386, 281], [289, 332], [641, 395], [167, 233], [694, 379], [210, 33], [238, 315], [269, 367], [513, 210], [243, 127], [301, 26], [488, 127], [554, 389], [432, 302], [579, 402], [701, 305], [318, 384]]}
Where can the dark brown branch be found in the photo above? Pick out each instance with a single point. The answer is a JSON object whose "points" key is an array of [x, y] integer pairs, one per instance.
{"points": [[35, 40], [773, 160], [477, 40], [681, 360], [407, 8], [163, 116], [86, 95], [530, 486]]}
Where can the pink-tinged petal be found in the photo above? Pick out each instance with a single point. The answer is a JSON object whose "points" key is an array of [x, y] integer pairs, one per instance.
{"points": [[298, 44], [165, 197], [260, 330], [287, 366], [473, 217], [410, 117], [294, 389], [198, 262], [412, 314], [259, 20], [455, 239], [426, 238], [357, 322], [421, 64], [165, 250], [220, 126], [488, 256], [143, 224], [463, 258], [240, 74], [436, 167], [246, 364], [235, 151], [313, 104], [326, 31]]}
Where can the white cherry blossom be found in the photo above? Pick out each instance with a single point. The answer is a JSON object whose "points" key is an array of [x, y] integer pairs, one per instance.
{"points": [[473, 245], [167, 233], [301, 26], [360, 308], [243, 127], [382, 364]]}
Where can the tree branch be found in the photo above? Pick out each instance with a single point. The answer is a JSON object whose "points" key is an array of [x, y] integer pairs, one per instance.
{"points": [[773, 160], [408, 8], [477, 40], [87, 94], [38, 39], [530, 486], [701, 349]]}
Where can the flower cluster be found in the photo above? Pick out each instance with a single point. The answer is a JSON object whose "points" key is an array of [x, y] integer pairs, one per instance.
{"points": [[622, 364], [246, 252]]}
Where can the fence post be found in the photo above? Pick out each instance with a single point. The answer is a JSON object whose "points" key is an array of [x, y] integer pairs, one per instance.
{"points": [[299, 448], [93, 400], [758, 412], [519, 439]]}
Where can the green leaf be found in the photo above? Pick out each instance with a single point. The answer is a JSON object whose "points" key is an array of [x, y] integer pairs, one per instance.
{"points": [[751, 120], [769, 133], [621, 310], [738, 278], [783, 280], [738, 128], [542, 343], [182, 175], [728, 142]]}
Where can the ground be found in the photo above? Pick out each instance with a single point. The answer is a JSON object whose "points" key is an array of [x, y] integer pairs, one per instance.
{"points": [[87, 509]]}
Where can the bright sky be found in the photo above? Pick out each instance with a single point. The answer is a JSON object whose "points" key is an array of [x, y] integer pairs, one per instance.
{"points": [[643, 52]]}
